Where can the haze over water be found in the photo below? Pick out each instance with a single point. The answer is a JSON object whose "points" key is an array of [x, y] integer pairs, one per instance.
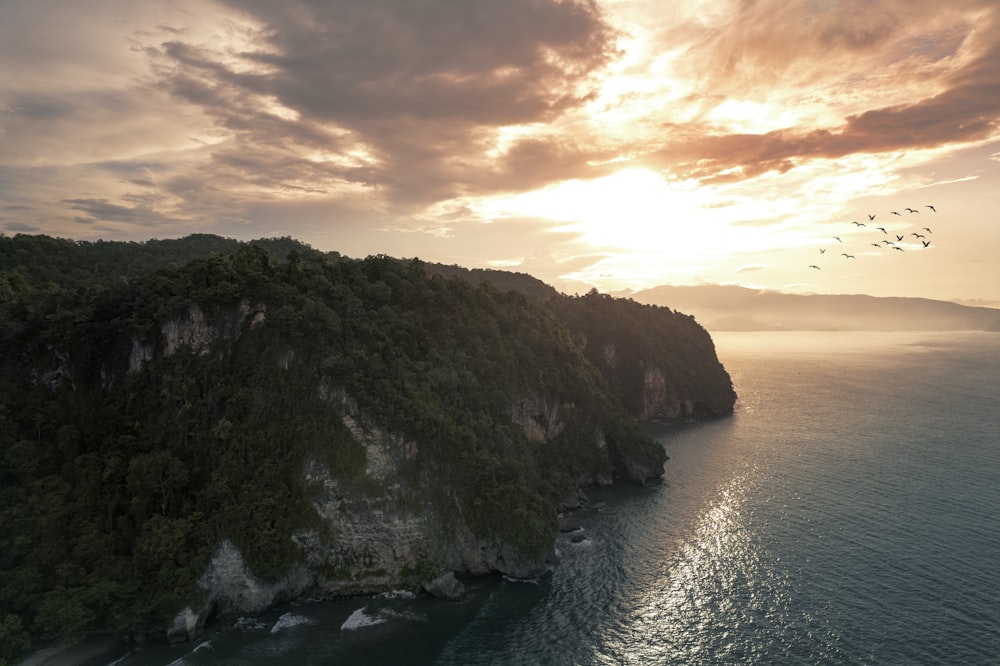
{"points": [[846, 514]]}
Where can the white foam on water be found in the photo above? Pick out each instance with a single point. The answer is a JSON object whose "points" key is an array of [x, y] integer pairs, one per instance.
{"points": [[249, 624], [289, 620], [389, 614], [398, 594], [531, 581], [359, 619]]}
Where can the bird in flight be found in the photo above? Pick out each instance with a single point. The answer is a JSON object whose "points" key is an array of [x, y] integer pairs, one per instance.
{"points": [[926, 243], [822, 250], [849, 256], [888, 242], [932, 208], [928, 230], [870, 217], [896, 247], [882, 229], [877, 245], [910, 210], [815, 266], [899, 238], [837, 238], [894, 212], [916, 235], [860, 224]]}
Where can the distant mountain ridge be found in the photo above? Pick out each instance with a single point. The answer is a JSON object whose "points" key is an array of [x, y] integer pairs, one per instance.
{"points": [[734, 308]]}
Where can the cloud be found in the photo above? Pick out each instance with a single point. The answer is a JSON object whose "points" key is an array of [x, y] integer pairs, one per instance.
{"points": [[943, 84], [20, 227], [405, 97], [102, 210], [384, 126]]}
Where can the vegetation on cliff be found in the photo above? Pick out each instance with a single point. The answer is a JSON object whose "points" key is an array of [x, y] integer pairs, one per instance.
{"points": [[130, 447]]}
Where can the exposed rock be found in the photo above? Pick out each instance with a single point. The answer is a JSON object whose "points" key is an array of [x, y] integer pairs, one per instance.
{"points": [[573, 501], [568, 523], [610, 353], [233, 589], [139, 355], [539, 418], [446, 586], [660, 399], [368, 540], [192, 331], [186, 626]]}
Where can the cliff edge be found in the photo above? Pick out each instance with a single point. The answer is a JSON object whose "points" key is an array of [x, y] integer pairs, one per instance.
{"points": [[237, 431]]}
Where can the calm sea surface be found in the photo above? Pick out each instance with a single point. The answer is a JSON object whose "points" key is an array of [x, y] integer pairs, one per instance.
{"points": [[848, 513]]}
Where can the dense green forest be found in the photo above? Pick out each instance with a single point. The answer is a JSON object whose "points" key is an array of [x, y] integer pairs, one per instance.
{"points": [[125, 457]]}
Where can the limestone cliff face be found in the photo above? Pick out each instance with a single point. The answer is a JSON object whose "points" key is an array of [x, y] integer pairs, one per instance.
{"points": [[383, 535], [661, 399], [196, 331], [230, 586], [539, 417], [241, 431]]}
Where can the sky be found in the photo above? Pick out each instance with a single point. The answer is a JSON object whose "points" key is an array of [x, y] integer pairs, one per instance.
{"points": [[616, 144]]}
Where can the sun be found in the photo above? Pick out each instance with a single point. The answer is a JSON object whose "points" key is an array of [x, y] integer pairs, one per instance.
{"points": [[651, 228], [629, 209]]}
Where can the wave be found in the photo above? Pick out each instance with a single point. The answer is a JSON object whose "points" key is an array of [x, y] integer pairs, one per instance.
{"points": [[359, 619], [363, 618], [289, 620]]}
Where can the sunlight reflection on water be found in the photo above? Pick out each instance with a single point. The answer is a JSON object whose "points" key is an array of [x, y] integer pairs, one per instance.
{"points": [[718, 571]]}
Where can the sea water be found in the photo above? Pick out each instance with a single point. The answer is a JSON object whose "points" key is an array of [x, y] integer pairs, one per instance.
{"points": [[848, 512]]}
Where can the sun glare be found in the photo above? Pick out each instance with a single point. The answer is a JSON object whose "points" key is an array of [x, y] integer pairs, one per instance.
{"points": [[628, 209]]}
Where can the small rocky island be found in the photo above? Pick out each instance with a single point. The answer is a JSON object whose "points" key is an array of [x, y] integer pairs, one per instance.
{"points": [[204, 427]]}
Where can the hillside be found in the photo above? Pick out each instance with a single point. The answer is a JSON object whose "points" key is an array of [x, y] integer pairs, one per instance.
{"points": [[732, 308], [192, 431]]}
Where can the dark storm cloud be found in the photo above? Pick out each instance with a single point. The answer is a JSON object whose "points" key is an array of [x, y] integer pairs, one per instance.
{"points": [[419, 86]]}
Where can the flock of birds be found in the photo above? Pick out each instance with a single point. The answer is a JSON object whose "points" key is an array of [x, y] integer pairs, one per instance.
{"points": [[920, 240]]}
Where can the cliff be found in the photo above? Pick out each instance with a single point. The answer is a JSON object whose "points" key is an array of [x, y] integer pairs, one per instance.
{"points": [[236, 431]]}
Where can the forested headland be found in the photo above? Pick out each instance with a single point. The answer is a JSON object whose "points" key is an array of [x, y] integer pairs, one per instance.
{"points": [[158, 399]]}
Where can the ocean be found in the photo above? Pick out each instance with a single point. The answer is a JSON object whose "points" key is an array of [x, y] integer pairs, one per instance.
{"points": [[848, 512]]}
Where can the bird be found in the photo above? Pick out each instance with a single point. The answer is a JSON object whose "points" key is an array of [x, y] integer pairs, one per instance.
{"points": [[916, 235], [877, 245], [815, 266], [888, 242], [910, 210], [894, 212], [928, 230], [837, 238], [822, 250], [870, 217], [882, 229], [899, 238], [926, 243], [849, 256], [896, 247], [932, 208], [860, 224]]}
